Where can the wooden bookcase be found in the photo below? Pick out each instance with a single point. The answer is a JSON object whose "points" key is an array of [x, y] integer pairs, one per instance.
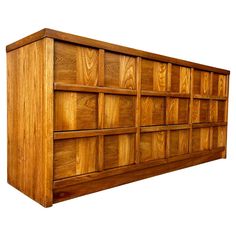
{"points": [[86, 115]]}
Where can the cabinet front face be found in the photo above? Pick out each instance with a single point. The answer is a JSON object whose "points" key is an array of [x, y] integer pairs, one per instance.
{"points": [[158, 104], [114, 112]]}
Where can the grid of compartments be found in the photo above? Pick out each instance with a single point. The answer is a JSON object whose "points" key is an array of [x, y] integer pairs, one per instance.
{"points": [[209, 113], [114, 111]]}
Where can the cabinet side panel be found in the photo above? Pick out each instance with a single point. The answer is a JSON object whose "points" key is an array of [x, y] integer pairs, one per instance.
{"points": [[30, 120]]}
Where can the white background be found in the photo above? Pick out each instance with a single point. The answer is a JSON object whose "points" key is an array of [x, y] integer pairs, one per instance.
{"points": [[196, 201]]}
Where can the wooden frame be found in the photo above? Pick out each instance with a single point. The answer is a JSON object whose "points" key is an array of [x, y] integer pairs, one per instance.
{"points": [[86, 115]]}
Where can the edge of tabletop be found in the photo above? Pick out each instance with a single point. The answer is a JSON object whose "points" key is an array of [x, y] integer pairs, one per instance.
{"points": [[50, 33]]}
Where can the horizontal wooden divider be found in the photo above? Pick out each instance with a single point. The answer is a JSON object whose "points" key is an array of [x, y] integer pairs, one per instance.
{"points": [[90, 133], [92, 89]]}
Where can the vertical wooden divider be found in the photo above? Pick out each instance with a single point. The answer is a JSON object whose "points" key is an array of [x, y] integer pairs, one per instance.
{"points": [[190, 110], [209, 118], [100, 110], [168, 87], [138, 109], [226, 114]]}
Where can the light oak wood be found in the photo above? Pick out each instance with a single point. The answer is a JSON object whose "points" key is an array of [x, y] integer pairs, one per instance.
{"points": [[85, 115], [30, 120]]}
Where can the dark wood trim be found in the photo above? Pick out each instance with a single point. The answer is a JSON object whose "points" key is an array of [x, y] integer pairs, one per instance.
{"points": [[108, 46], [64, 192]]}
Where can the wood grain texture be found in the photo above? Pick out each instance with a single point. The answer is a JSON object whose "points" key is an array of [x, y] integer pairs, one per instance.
{"points": [[74, 111], [201, 84], [153, 146], [178, 142], [153, 75], [119, 71], [58, 35], [201, 139], [219, 85], [177, 111], [201, 111], [119, 111], [30, 120], [111, 113], [75, 64], [119, 150], [180, 79], [152, 111], [75, 157], [71, 191]]}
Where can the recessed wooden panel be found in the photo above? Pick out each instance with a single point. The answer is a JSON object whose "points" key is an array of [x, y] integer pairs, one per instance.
{"points": [[221, 111], [152, 111], [180, 79], [74, 157], [119, 71], [222, 136], [119, 111], [74, 111], [179, 142], [214, 111], [217, 111], [178, 111], [200, 139], [201, 111], [201, 82], [153, 75], [219, 85], [152, 146], [74, 64], [119, 150]]}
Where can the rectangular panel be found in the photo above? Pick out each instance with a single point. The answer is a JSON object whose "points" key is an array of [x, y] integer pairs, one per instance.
{"points": [[180, 79], [152, 111], [119, 71], [214, 111], [221, 111], [119, 111], [74, 64], [178, 111], [179, 142], [75, 111], [119, 150], [201, 111], [200, 139], [219, 85], [153, 75], [201, 82], [75, 157], [152, 146]]}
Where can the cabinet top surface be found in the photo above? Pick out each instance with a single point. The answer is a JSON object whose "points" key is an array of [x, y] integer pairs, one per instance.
{"points": [[50, 33]]}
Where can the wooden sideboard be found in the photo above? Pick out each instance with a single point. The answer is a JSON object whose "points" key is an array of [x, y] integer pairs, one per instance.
{"points": [[86, 115]]}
